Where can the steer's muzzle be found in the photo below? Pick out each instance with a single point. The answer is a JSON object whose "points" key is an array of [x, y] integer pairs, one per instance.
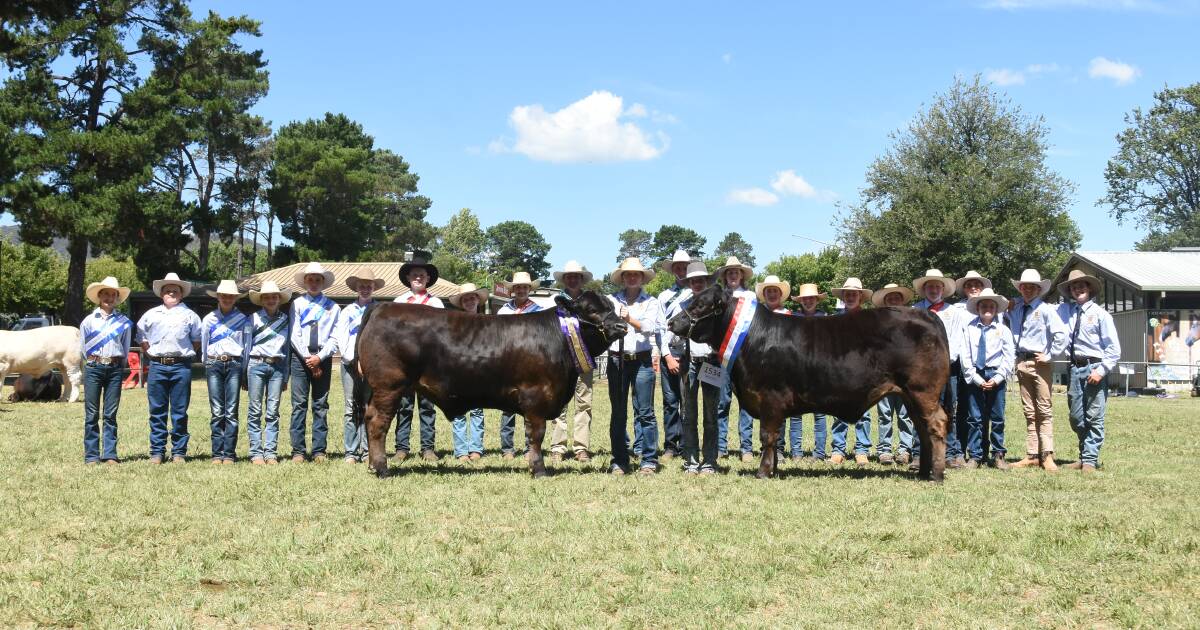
{"points": [[679, 324]]}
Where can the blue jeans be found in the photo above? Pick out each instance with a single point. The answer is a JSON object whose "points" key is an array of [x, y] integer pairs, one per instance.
{"points": [[264, 378], [508, 430], [672, 405], [106, 380], [638, 375], [169, 390], [862, 435], [224, 392], [468, 438], [950, 406], [404, 416], [796, 430], [984, 408], [302, 383], [745, 422], [1087, 404], [354, 436], [889, 405]]}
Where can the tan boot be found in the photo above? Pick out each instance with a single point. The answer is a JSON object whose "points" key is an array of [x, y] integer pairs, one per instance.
{"points": [[837, 458], [1030, 460], [1048, 462], [860, 459]]}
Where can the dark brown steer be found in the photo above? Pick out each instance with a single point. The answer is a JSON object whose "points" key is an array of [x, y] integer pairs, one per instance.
{"points": [[462, 361], [839, 365]]}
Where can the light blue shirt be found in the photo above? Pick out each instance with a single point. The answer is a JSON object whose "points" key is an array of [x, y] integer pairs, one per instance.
{"points": [[169, 331], [1044, 330], [649, 315], [954, 319], [105, 336], [510, 308], [673, 300], [307, 312], [348, 328], [1097, 335], [998, 351], [231, 332], [269, 335]]}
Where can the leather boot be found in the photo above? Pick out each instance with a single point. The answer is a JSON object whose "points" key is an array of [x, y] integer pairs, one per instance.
{"points": [[1048, 462], [1030, 460]]}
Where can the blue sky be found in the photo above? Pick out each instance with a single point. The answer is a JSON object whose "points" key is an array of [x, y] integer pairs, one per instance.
{"points": [[689, 112]]}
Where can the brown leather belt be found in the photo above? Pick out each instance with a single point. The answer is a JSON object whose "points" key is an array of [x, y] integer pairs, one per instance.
{"points": [[226, 358], [636, 356], [95, 358], [269, 360], [168, 360], [1085, 361]]}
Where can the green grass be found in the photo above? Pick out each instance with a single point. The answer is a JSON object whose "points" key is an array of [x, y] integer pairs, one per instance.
{"points": [[484, 545]]}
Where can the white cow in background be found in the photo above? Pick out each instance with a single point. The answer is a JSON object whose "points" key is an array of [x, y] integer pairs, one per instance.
{"points": [[36, 351]]}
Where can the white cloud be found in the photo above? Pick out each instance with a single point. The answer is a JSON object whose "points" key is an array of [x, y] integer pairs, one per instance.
{"points": [[789, 183], [727, 58], [752, 196], [588, 130], [1042, 68], [1004, 76], [1121, 73]]}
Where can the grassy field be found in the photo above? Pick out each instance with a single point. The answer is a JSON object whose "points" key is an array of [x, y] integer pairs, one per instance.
{"points": [[446, 544]]}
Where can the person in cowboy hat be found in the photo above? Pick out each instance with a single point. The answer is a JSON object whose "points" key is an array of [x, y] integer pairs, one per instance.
{"points": [[852, 294], [418, 275], [633, 366], [520, 304], [314, 319], [1093, 350], [266, 370], [935, 287], [105, 336], [893, 295], [809, 296], [696, 460], [734, 275], [987, 357], [225, 337], [354, 433], [967, 287], [672, 299], [170, 337], [468, 439], [772, 293], [1039, 335], [572, 278]]}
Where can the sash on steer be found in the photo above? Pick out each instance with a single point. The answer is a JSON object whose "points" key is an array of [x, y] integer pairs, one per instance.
{"points": [[113, 328], [231, 322], [270, 329], [322, 306], [579, 352], [743, 314]]}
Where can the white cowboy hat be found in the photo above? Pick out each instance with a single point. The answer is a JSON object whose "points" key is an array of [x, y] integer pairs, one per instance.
{"points": [[631, 264], [1031, 276], [419, 259], [1064, 287], [880, 295], [270, 287], [225, 287], [315, 268], [987, 294], [773, 281], [697, 269], [93, 290], [809, 290], [851, 284], [948, 285], [468, 289], [364, 274], [680, 256], [519, 277], [185, 288], [731, 263], [573, 266], [971, 275]]}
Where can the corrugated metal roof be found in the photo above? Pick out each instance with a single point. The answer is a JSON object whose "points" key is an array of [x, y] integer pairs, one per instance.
{"points": [[1148, 271], [285, 277]]}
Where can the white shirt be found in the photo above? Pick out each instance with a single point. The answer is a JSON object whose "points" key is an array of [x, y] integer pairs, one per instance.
{"points": [[954, 319], [348, 328], [105, 335], [321, 312], [169, 331], [269, 335], [510, 308], [649, 315], [673, 301], [232, 333], [999, 351]]}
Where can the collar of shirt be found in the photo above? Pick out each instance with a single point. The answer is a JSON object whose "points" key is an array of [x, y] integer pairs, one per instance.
{"points": [[642, 297]]}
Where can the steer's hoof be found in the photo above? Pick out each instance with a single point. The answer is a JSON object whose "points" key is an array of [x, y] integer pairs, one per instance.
{"points": [[539, 474], [764, 474]]}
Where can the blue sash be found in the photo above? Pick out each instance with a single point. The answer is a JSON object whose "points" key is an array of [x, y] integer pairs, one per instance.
{"points": [[272, 330], [241, 321], [118, 325], [321, 308]]}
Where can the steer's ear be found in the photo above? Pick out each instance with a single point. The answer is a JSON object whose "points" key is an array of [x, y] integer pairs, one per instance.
{"points": [[562, 300]]}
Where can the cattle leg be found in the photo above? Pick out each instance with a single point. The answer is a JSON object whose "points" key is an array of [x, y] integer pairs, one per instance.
{"points": [[931, 423], [378, 416], [768, 434], [535, 430], [73, 383]]}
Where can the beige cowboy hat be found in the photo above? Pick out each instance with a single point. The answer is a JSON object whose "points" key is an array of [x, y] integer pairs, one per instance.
{"points": [[851, 284], [419, 259], [731, 263], [809, 289], [468, 289], [631, 264], [680, 256], [315, 268], [1031, 276], [948, 285], [573, 266], [93, 290], [1064, 287], [697, 269], [773, 281], [185, 288], [879, 296], [987, 294], [226, 287], [971, 275], [267, 288], [364, 274], [519, 277]]}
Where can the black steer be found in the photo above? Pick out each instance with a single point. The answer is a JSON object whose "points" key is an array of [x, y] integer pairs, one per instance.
{"points": [[47, 387]]}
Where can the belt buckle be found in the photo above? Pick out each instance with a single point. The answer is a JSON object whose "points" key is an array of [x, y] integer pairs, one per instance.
{"points": [[223, 358], [167, 360]]}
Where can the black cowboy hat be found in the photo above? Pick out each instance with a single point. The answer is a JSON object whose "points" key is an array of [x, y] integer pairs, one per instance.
{"points": [[419, 259]]}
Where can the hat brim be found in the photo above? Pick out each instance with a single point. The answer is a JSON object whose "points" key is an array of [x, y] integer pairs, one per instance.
{"points": [[784, 288], [1000, 300], [216, 294], [457, 299], [879, 296], [352, 283], [819, 296], [185, 288], [948, 286], [1045, 284], [430, 268], [747, 272], [94, 289], [615, 277], [1064, 288], [840, 291], [668, 264], [256, 297], [328, 275], [587, 276], [958, 284]]}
